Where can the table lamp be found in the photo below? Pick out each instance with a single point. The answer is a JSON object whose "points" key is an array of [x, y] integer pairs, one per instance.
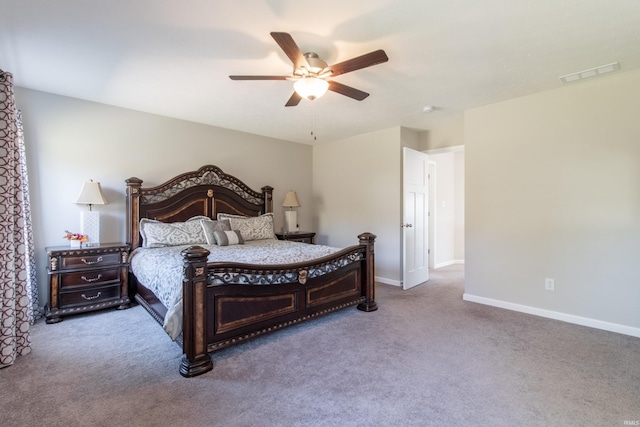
{"points": [[291, 215], [91, 194]]}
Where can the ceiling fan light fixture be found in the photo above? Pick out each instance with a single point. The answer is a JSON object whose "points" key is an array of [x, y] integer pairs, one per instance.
{"points": [[310, 72], [311, 87]]}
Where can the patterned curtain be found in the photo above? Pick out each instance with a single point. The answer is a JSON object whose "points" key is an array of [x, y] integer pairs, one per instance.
{"points": [[19, 306]]}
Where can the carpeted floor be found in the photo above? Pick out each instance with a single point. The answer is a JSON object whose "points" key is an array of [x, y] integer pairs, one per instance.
{"points": [[425, 358]]}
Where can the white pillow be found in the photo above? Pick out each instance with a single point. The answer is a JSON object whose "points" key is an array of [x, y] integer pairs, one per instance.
{"points": [[251, 227], [157, 234]]}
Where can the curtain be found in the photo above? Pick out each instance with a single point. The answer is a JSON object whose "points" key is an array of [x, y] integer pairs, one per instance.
{"points": [[19, 306]]}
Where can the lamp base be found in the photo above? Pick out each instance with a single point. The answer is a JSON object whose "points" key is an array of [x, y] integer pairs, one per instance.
{"points": [[90, 225], [290, 221]]}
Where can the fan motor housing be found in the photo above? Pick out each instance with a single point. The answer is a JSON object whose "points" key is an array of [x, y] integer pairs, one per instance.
{"points": [[315, 63]]}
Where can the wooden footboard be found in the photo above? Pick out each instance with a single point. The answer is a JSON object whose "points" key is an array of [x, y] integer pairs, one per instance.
{"points": [[248, 301]]}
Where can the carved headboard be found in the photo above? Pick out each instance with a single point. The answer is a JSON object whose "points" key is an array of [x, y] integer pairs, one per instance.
{"points": [[207, 191]]}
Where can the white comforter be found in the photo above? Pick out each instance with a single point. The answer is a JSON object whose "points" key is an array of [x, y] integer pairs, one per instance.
{"points": [[160, 269]]}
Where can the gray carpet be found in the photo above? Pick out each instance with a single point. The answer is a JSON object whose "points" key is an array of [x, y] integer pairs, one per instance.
{"points": [[425, 358]]}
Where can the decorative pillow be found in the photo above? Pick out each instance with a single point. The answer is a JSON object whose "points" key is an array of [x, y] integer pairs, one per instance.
{"points": [[157, 234], [228, 237], [209, 227], [251, 227]]}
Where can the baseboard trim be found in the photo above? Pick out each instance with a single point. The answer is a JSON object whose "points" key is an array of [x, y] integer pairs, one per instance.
{"points": [[569, 318], [388, 281], [448, 263]]}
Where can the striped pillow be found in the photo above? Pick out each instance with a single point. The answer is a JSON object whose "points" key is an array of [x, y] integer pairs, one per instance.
{"points": [[210, 226], [228, 237]]}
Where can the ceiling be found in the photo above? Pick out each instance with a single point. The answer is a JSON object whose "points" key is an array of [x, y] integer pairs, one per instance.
{"points": [[173, 57]]}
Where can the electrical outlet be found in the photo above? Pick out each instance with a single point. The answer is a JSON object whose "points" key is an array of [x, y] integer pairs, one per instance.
{"points": [[550, 284]]}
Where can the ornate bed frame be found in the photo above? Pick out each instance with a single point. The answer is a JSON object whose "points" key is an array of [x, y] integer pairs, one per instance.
{"points": [[217, 316]]}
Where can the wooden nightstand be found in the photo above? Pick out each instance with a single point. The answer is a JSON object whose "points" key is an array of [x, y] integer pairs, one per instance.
{"points": [[298, 236], [87, 278]]}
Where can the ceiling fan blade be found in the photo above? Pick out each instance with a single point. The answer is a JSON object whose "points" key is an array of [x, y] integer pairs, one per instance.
{"points": [[347, 91], [286, 43], [294, 100], [259, 77], [364, 61]]}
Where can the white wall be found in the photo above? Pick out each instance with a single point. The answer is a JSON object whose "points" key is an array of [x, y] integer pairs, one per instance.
{"points": [[553, 191], [357, 188], [445, 146], [69, 141], [459, 198], [448, 208]]}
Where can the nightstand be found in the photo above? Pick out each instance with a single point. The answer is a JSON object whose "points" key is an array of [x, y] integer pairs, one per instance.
{"points": [[86, 279], [298, 236]]}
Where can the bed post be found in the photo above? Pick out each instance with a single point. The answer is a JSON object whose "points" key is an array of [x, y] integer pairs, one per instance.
{"points": [[368, 273], [195, 357], [267, 194], [133, 211]]}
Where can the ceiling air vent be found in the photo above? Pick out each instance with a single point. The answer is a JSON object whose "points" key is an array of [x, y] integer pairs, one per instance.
{"points": [[592, 72]]}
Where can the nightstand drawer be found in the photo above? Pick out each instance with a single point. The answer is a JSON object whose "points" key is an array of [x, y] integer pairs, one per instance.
{"points": [[97, 260], [89, 296], [90, 277]]}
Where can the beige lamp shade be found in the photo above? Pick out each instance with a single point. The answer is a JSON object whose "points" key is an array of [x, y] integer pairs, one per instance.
{"points": [[291, 200], [91, 194]]}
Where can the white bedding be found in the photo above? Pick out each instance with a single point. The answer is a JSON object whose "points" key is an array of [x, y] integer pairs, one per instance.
{"points": [[160, 269]]}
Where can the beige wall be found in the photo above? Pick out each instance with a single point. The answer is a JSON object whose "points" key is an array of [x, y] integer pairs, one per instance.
{"points": [[553, 191], [69, 141], [551, 188], [357, 188], [443, 136]]}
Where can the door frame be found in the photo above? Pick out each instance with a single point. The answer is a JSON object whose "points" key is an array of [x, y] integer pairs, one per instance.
{"points": [[433, 212], [433, 206]]}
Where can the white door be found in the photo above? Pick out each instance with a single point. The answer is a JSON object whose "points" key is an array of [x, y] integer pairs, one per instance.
{"points": [[415, 226]]}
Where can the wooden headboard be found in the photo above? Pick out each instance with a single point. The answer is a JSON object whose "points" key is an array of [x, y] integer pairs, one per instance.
{"points": [[207, 191]]}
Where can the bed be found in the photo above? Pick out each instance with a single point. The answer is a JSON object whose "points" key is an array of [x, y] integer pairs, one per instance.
{"points": [[222, 301]]}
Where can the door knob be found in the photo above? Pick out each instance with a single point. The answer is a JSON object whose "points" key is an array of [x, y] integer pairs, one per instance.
{"points": [[407, 225]]}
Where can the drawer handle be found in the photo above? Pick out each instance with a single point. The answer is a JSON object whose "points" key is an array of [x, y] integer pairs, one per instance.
{"points": [[90, 298], [99, 259], [92, 280]]}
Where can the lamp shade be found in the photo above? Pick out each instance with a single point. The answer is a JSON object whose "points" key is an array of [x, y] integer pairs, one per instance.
{"points": [[291, 200], [311, 87], [91, 194]]}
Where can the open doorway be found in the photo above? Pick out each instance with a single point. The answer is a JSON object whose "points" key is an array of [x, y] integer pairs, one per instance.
{"points": [[446, 207]]}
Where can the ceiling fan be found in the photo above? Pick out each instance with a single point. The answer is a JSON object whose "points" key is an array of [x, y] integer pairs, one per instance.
{"points": [[310, 73]]}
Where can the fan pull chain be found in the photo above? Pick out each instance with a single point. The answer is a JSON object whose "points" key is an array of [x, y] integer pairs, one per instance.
{"points": [[313, 123]]}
